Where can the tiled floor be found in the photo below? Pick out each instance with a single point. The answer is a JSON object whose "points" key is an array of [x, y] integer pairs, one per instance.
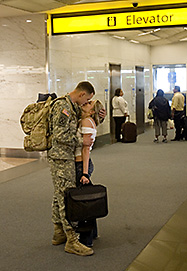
{"points": [[7, 162]]}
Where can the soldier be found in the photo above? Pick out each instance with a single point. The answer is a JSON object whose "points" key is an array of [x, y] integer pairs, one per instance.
{"points": [[64, 118]]}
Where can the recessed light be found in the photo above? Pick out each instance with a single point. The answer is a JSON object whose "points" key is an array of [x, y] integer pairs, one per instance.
{"points": [[118, 37], [134, 41], [158, 29], [185, 39], [143, 34], [29, 21]]}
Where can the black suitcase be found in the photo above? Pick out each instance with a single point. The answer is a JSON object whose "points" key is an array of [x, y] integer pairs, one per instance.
{"points": [[129, 132], [86, 202]]}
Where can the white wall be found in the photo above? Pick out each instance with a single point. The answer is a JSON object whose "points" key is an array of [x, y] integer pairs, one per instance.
{"points": [[169, 54], [74, 58], [22, 72]]}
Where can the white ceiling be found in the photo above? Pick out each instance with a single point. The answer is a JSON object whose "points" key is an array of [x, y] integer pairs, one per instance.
{"points": [[152, 37]]}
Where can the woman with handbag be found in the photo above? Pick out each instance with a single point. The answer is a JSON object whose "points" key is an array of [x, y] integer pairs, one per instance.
{"points": [[84, 166]]}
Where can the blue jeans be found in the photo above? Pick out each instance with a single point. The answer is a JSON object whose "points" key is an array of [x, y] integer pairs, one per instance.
{"points": [[87, 229]]}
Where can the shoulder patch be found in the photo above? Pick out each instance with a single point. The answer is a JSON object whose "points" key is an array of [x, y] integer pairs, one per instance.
{"points": [[65, 112]]}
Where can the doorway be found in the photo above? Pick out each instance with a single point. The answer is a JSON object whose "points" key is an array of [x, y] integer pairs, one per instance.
{"points": [[140, 111]]}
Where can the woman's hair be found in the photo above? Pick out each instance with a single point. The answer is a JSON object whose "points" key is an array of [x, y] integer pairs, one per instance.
{"points": [[97, 107], [117, 92], [160, 92]]}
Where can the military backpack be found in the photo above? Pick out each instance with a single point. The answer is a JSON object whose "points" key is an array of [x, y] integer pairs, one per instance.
{"points": [[35, 124]]}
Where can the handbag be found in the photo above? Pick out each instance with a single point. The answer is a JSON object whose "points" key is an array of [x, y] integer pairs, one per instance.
{"points": [[86, 202], [170, 124]]}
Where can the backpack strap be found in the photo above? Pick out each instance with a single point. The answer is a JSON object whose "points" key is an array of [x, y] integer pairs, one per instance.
{"points": [[47, 104], [65, 97]]}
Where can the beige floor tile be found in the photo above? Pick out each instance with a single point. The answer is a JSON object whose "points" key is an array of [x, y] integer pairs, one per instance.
{"points": [[7, 162]]}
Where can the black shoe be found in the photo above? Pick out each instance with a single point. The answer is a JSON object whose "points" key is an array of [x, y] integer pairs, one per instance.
{"points": [[175, 139]]}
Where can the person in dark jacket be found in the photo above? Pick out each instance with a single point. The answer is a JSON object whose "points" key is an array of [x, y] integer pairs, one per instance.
{"points": [[161, 113]]}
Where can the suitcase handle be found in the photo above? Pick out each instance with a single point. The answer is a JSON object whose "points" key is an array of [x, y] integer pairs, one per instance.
{"points": [[128, 117], [80, 186]]}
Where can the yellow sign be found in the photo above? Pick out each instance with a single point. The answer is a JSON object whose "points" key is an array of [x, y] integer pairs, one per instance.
{"points": [[118, 21]]}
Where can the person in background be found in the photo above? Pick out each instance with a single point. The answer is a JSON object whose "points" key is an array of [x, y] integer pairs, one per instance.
{"points": [[161, 113], [177, 109], [119, 112], [84, 167]]}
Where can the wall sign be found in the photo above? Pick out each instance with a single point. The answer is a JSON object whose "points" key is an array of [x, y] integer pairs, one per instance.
{"points": [[62, 24]]}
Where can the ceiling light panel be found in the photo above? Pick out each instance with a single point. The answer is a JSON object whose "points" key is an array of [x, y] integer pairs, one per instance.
{"points": [[32, 5], [159, 42], [145, 38], [10, 12], [177, 37]]}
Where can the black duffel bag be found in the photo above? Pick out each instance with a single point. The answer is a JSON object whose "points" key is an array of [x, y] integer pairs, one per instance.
{"points": [[86, 202]]}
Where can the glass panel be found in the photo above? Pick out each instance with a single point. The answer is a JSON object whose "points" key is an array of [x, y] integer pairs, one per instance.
{"points": [[166, 77], [128, 87]]}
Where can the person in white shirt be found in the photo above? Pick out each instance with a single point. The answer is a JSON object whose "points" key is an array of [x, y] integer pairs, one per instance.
{"points": [[119, 112]]}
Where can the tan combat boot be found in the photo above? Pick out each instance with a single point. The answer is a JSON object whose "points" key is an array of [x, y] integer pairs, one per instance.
{"points": [[59, 236], [75, 247]]}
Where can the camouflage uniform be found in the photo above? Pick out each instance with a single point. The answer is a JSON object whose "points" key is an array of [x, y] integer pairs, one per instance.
{"points": [[63, 126]]}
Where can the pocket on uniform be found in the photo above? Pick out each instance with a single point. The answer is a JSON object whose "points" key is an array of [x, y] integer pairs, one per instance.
{"points": [[66, 172]]}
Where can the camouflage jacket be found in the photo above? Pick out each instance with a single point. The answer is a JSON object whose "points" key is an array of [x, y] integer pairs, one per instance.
{"points": [[63, 124]]}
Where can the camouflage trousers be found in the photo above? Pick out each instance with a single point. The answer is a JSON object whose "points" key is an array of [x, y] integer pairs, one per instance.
{"points": [[63, 176]]}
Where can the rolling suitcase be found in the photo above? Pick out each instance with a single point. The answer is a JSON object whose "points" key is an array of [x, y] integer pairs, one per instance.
{"points": [[129, 132]]}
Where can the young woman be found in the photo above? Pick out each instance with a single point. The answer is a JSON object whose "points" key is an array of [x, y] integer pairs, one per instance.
{"points": [[84, 167]]}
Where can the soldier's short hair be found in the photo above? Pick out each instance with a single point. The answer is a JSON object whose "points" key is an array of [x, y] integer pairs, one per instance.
{"points": [[86, 86]]}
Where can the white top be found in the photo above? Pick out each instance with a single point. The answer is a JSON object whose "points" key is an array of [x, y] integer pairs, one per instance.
{"points": [[120, 106], [85, 130]]}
